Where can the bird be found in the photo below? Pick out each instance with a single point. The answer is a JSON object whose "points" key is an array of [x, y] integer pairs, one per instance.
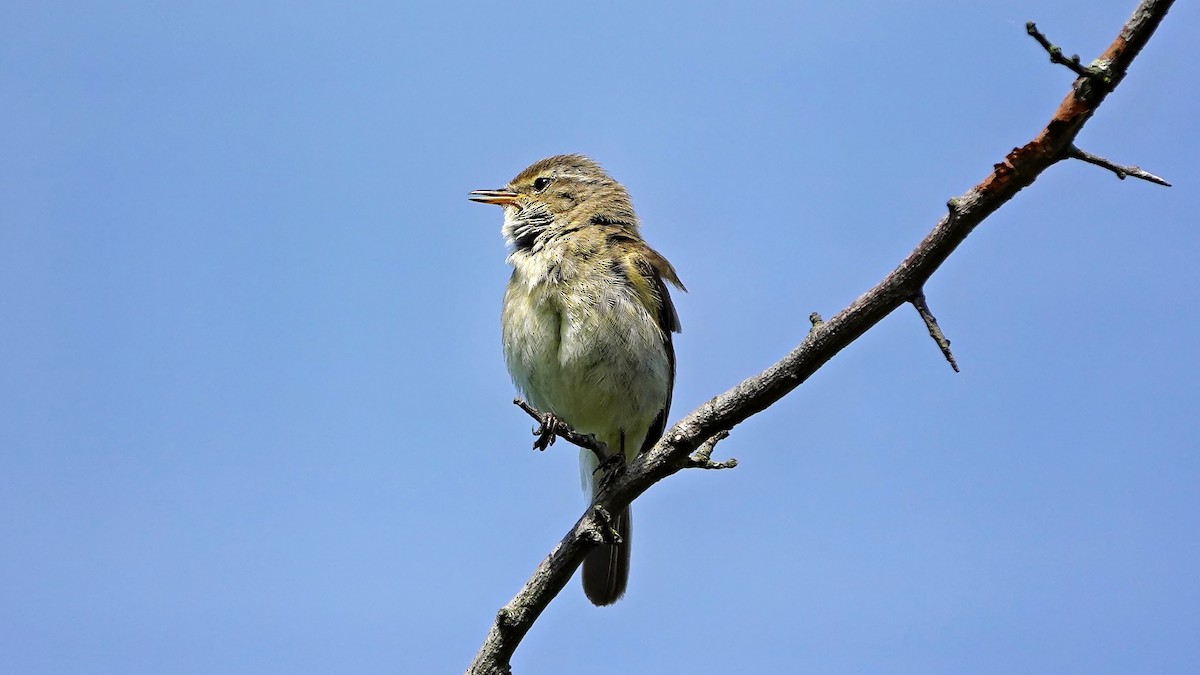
{"points": [[587, 323]]}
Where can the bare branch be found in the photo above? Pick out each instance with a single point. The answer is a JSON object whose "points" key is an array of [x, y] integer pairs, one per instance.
{"points": [[935, 331], [674, 451], [1121, 171]]}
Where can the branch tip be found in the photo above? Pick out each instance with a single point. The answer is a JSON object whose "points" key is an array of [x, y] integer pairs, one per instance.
{"points": [[702, 458], [1120, 171], [935, 331], [1056, 53]]}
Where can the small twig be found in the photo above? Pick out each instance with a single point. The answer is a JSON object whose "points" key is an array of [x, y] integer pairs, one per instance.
{"points": [[552, 427], [1056, 54], [1121, 171], [935, 331], [702, 457]]}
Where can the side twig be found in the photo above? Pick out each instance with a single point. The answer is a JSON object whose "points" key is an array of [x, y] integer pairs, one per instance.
{"points": [[1056, 53], [702, 458], [1121, 171], [935, 331]]}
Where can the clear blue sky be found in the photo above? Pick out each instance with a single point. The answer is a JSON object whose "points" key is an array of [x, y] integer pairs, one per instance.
{"points": [[254, 416]]}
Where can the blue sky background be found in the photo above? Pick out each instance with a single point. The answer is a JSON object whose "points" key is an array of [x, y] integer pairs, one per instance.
{"points": [[254, 416]]}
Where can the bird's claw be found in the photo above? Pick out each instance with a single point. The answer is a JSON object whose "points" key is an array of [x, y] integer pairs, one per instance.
{"points": [[545, 432], [609, 469]]}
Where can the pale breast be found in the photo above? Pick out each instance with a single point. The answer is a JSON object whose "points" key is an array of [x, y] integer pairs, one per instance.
{"points": [[585, 349]]}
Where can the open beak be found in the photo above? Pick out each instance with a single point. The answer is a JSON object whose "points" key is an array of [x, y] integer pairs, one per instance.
{"points": [[501, 197]]}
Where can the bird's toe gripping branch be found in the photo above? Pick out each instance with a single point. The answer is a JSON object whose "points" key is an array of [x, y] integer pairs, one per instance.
{"points": [[551, 427], [546, 431]]}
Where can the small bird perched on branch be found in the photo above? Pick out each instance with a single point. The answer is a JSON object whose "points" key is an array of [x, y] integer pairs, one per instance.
{"points": [[587, 323]]}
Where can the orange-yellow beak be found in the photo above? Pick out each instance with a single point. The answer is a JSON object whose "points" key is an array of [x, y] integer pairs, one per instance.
{"points": [[501, 197]]}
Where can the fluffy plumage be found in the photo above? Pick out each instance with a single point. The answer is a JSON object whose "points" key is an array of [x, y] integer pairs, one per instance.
{"points": [[587, 322]]}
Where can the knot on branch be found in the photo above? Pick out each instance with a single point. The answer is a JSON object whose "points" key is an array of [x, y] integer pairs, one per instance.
{"points": [[952, 207], [509, 617], [600, 529]]}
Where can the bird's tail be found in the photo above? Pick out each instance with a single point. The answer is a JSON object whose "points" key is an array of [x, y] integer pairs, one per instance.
{"points": [[606, 567]]}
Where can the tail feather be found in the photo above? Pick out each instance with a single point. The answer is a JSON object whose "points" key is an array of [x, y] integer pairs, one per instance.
{"points": [[606, 567]]}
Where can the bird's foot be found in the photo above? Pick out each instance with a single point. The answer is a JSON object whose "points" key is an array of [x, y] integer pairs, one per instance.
{"points": [[546, 432], [609, 469]]}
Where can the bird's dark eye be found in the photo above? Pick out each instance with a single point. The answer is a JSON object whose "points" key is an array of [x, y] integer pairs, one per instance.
{"points": [[541, 184]]}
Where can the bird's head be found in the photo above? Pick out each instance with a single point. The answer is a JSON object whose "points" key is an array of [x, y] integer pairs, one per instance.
{"points": [[557, 195]]}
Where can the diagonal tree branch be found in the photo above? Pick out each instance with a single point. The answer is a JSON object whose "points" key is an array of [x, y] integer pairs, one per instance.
{"points": [[675, 451]]}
